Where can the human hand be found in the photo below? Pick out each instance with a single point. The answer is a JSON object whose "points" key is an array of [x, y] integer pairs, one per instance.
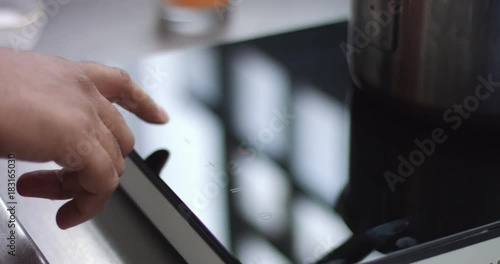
{"points": [[52, 109]]}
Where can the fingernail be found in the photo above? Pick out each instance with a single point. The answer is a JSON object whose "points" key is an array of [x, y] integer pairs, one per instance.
{"points": [[163, 115]]}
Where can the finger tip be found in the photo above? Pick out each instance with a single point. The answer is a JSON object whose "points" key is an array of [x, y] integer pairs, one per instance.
{"points": [[61, 223], [21, 191], [29, 182], [62, 219], [22, 178], [163, 116], [62, 227], [22, 186]]}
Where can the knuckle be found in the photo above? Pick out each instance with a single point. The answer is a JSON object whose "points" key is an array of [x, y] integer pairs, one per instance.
{"points": [[83, 82], [108, 186], [116, 152], [86, 209], [112, 185], [123, 76], [120, 167], [128, 145], [73, 127], [119, 115], [77, 146], [82, 119]]}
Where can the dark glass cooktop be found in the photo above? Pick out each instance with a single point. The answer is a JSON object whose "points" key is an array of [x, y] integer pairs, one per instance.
{"points": [[285, 161]]}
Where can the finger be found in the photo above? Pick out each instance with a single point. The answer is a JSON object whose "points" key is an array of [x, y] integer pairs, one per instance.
{"points": [[115, 123], [117, 86], [82, 208], [95, 169], [98, 175], [100, 136], [97, 178], [46, 184]]}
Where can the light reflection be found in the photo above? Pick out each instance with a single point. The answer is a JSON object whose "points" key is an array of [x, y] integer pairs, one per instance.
{"points": [[374, 255], [320, 143], [260, 87], [264, 196], [194, 137], [316, 230], [203, 73], [270, 194], [252, 249]]}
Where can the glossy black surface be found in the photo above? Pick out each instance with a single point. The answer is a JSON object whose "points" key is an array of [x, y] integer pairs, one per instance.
{"points": [[285, 162]]}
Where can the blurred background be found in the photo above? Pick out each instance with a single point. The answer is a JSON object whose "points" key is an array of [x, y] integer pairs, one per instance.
{"points": [[114, 30], [135, 35]]}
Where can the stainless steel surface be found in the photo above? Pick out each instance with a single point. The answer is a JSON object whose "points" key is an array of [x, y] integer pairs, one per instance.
{"points": [[430, 52], [119, 234], [19, 248]]}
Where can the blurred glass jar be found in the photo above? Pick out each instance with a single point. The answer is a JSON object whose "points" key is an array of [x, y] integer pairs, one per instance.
{"points": [[194, 17], [21, 23]]}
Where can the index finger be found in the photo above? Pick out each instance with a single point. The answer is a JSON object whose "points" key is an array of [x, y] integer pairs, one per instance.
{"points": [[116, 85]]}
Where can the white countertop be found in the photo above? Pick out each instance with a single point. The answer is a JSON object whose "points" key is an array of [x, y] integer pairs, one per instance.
{"points": [[121, 30]]}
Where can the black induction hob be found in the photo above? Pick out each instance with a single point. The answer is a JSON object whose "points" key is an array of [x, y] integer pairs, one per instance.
{"points": [[284, 161]]}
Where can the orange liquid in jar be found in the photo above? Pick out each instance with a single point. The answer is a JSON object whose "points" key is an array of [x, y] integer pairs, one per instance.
{"points": [[197, 3]]}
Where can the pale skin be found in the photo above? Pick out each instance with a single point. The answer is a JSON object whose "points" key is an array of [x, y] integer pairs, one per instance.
{"points": [[46, 105]]}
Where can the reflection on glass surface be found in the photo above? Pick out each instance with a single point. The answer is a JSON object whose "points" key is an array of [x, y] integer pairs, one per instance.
{"points": [[267, 149], [203, 68], [257, 155], [260, 91], [252, 249], [321, 130], [316, 231], [264, 199], [194, 137]]}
